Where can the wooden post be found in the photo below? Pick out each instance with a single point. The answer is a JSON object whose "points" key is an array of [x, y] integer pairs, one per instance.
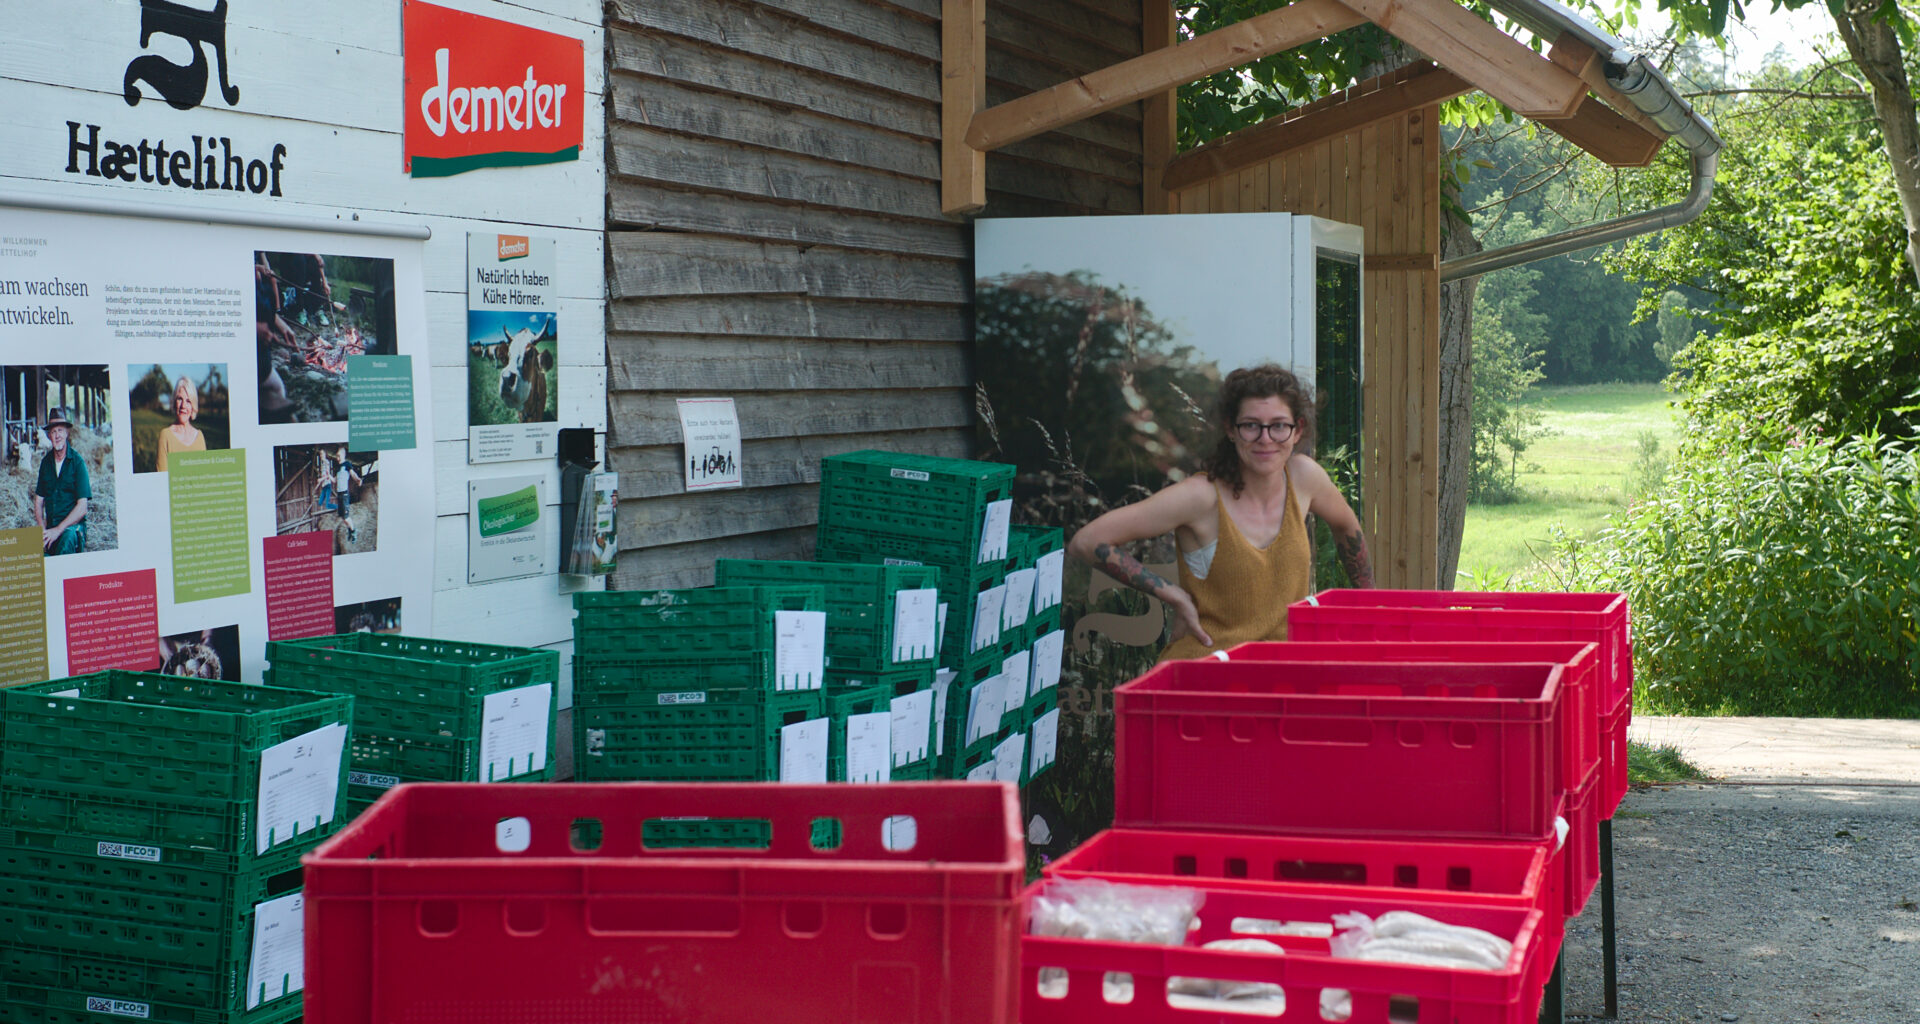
{"points": [[1160, 113], [963, 92]]}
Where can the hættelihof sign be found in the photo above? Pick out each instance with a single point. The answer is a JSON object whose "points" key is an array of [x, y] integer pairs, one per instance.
{"points": [[487, 93]]}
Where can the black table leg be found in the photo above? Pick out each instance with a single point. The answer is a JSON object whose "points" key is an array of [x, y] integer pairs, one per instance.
{"points": [[1607, 946], [1553, 1001]]}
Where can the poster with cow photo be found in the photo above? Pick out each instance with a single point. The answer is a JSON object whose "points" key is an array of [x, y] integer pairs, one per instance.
{"points": [[513, 348]]}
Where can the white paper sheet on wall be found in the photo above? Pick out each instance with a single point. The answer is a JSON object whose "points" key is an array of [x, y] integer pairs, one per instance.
{"points": [[985, 704], [915, 625], [800, 650], [513, 731], [942, 682], [1046, 737], [912, 723], [299, 785], [986, 617], [869, 747], [1047, 652], [1019, 602], [1049, 570], [279, 964], [994, 529], [1015, 670], [1009, 757], [803, 751]]}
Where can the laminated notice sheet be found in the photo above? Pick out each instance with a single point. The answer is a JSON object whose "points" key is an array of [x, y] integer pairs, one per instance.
{"points": [[915, 622], [985, 704], [1009, 757], [942, 682], [299, 785], [940, 630], [800, 650], [1015, 669], [1019, 598], [513, 731], [1046, 735], [1049, 569], [279, 964], [1047, 652], [912, 716], [986, 617], [985, 771], [869, 747], [994, 529], [803, 751]]}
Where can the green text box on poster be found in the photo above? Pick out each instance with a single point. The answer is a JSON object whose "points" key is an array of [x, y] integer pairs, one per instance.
{"points": [[379, 403], [506, 513], [207, 492], [23, 607]]}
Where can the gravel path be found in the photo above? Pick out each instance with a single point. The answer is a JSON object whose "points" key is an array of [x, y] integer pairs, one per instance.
{"points": [[1772, 895]]}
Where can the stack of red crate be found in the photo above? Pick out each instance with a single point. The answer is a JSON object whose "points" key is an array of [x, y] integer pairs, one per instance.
{"points": [[1422, 763]]}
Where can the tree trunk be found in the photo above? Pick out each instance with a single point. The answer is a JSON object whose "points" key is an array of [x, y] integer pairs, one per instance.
{"points": [[1456, 384], [1875, 49]]}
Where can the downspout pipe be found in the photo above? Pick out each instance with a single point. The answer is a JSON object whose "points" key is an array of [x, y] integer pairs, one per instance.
{"points": [[1649, 91]]}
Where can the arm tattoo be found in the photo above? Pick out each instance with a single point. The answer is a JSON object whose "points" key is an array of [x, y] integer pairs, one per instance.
{"points": [[1352, 548], [1116, 563]]}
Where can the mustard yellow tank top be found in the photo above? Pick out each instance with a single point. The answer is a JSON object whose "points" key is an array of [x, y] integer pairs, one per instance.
{"points": [[1245, 594]]}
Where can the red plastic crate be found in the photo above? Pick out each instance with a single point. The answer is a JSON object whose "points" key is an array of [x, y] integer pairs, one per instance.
{"points": [[1434, 750], [1613, 755], [1508, 996], [414, 912], [1581, 853], [1579, 684]]}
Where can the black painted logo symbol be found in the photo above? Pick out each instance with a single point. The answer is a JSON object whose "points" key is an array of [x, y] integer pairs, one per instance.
{"points": [[183, 86]]}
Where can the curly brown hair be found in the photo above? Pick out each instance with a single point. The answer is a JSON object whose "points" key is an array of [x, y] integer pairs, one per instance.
{"points": [[1268, 380]]}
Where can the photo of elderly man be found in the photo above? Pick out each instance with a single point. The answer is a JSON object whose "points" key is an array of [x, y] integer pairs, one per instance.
{"points": [[61, 494]]}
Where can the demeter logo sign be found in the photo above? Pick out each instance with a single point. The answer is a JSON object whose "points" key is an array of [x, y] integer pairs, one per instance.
{"points": [[513, 247], [488, 93]]}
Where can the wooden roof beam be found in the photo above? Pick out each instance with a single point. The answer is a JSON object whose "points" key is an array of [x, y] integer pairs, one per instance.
{"points": [[963, 92], [1364, 104], [1493, 61], [1130, 80], [1579, 58], [1617, 141]]}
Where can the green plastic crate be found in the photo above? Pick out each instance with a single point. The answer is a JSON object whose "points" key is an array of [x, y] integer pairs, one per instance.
{"points": [[678, 626], [50, 986], [1025, 544], [166, 765], [858, 598], [600, 678], [725, 833], [725, 735]]}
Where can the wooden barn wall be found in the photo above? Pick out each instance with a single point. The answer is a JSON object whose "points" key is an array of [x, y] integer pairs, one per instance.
{"points": [[1385, 178], [774, 235]]}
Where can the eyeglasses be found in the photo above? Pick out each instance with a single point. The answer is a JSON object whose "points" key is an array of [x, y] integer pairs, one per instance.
{"points": [[1250, 431]]}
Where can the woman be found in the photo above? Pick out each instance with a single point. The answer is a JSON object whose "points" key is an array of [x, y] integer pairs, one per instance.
{"points": [[1240, 526], [181, 435]]}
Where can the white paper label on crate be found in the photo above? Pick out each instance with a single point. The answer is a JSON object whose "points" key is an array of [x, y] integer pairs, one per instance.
{"points": [[911, 474], [915, 618], [1047, 652], [1009, 757], [799, 650], [994, 529], [870, 747], [985, 771], [986, 617], [803, 751], [65, 693], [1048, 569], [513, 733], [1016, 670], [942, 682], [1019, 598], [299, 785], [1046, 738], [279, 965], [118, 1007], [127, 851], [900, 833], [940, 630], [512, 835], [371, 780], [912, 721], [985, 704]]}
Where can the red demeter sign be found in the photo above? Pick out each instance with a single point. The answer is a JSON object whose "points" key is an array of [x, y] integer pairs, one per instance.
{"points": [[488, 93]]}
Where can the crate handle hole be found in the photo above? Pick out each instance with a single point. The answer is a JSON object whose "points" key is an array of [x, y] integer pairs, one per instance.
{"points": [[1406, 876], [1052, 983], [439, 917], [899, 833], [1236, 867], [1460, 879], [1271, 1002], [1192, 727], [1117, 987], [887, 920], [1412, 734], [526, 917], [1319, 871], [1336, 1004], [1241, 730], [642, 915], [512, 835], [1403, 1010], [1186, 864], [1464, 734], [824, 835], [803, 919], [585, 835]]}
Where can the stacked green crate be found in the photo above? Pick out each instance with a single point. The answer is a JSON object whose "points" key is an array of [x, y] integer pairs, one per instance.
{"points": [[882, 635], [1042, 548], [687, 685], [430, 710], [150, 834]]}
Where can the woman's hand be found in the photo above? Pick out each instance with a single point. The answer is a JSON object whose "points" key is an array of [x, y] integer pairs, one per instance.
{"points": [[1186, 618]]}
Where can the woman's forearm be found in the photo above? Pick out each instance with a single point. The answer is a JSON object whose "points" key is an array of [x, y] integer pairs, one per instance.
{"points": [[1117, 563], [1352, 549]]}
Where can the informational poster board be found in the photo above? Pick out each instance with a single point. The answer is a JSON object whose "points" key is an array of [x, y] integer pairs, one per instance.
{"points": [[509, 529], [206, 378], [513, 348]]}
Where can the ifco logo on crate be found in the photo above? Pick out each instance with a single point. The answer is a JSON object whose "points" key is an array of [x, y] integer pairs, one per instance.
{"points": [[117, 1007], [683, 698], [122, 851], [911, 474]]}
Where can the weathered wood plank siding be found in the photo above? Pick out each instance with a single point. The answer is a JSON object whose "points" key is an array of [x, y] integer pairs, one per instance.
{"points": [[774, 234], [1385, 178]]}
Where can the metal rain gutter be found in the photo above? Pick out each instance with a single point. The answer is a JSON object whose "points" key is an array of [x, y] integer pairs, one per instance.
{"points": [[1649, 91]]}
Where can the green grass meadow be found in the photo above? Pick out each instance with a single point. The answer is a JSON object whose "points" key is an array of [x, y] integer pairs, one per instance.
{"points": [[1575, 477]]}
